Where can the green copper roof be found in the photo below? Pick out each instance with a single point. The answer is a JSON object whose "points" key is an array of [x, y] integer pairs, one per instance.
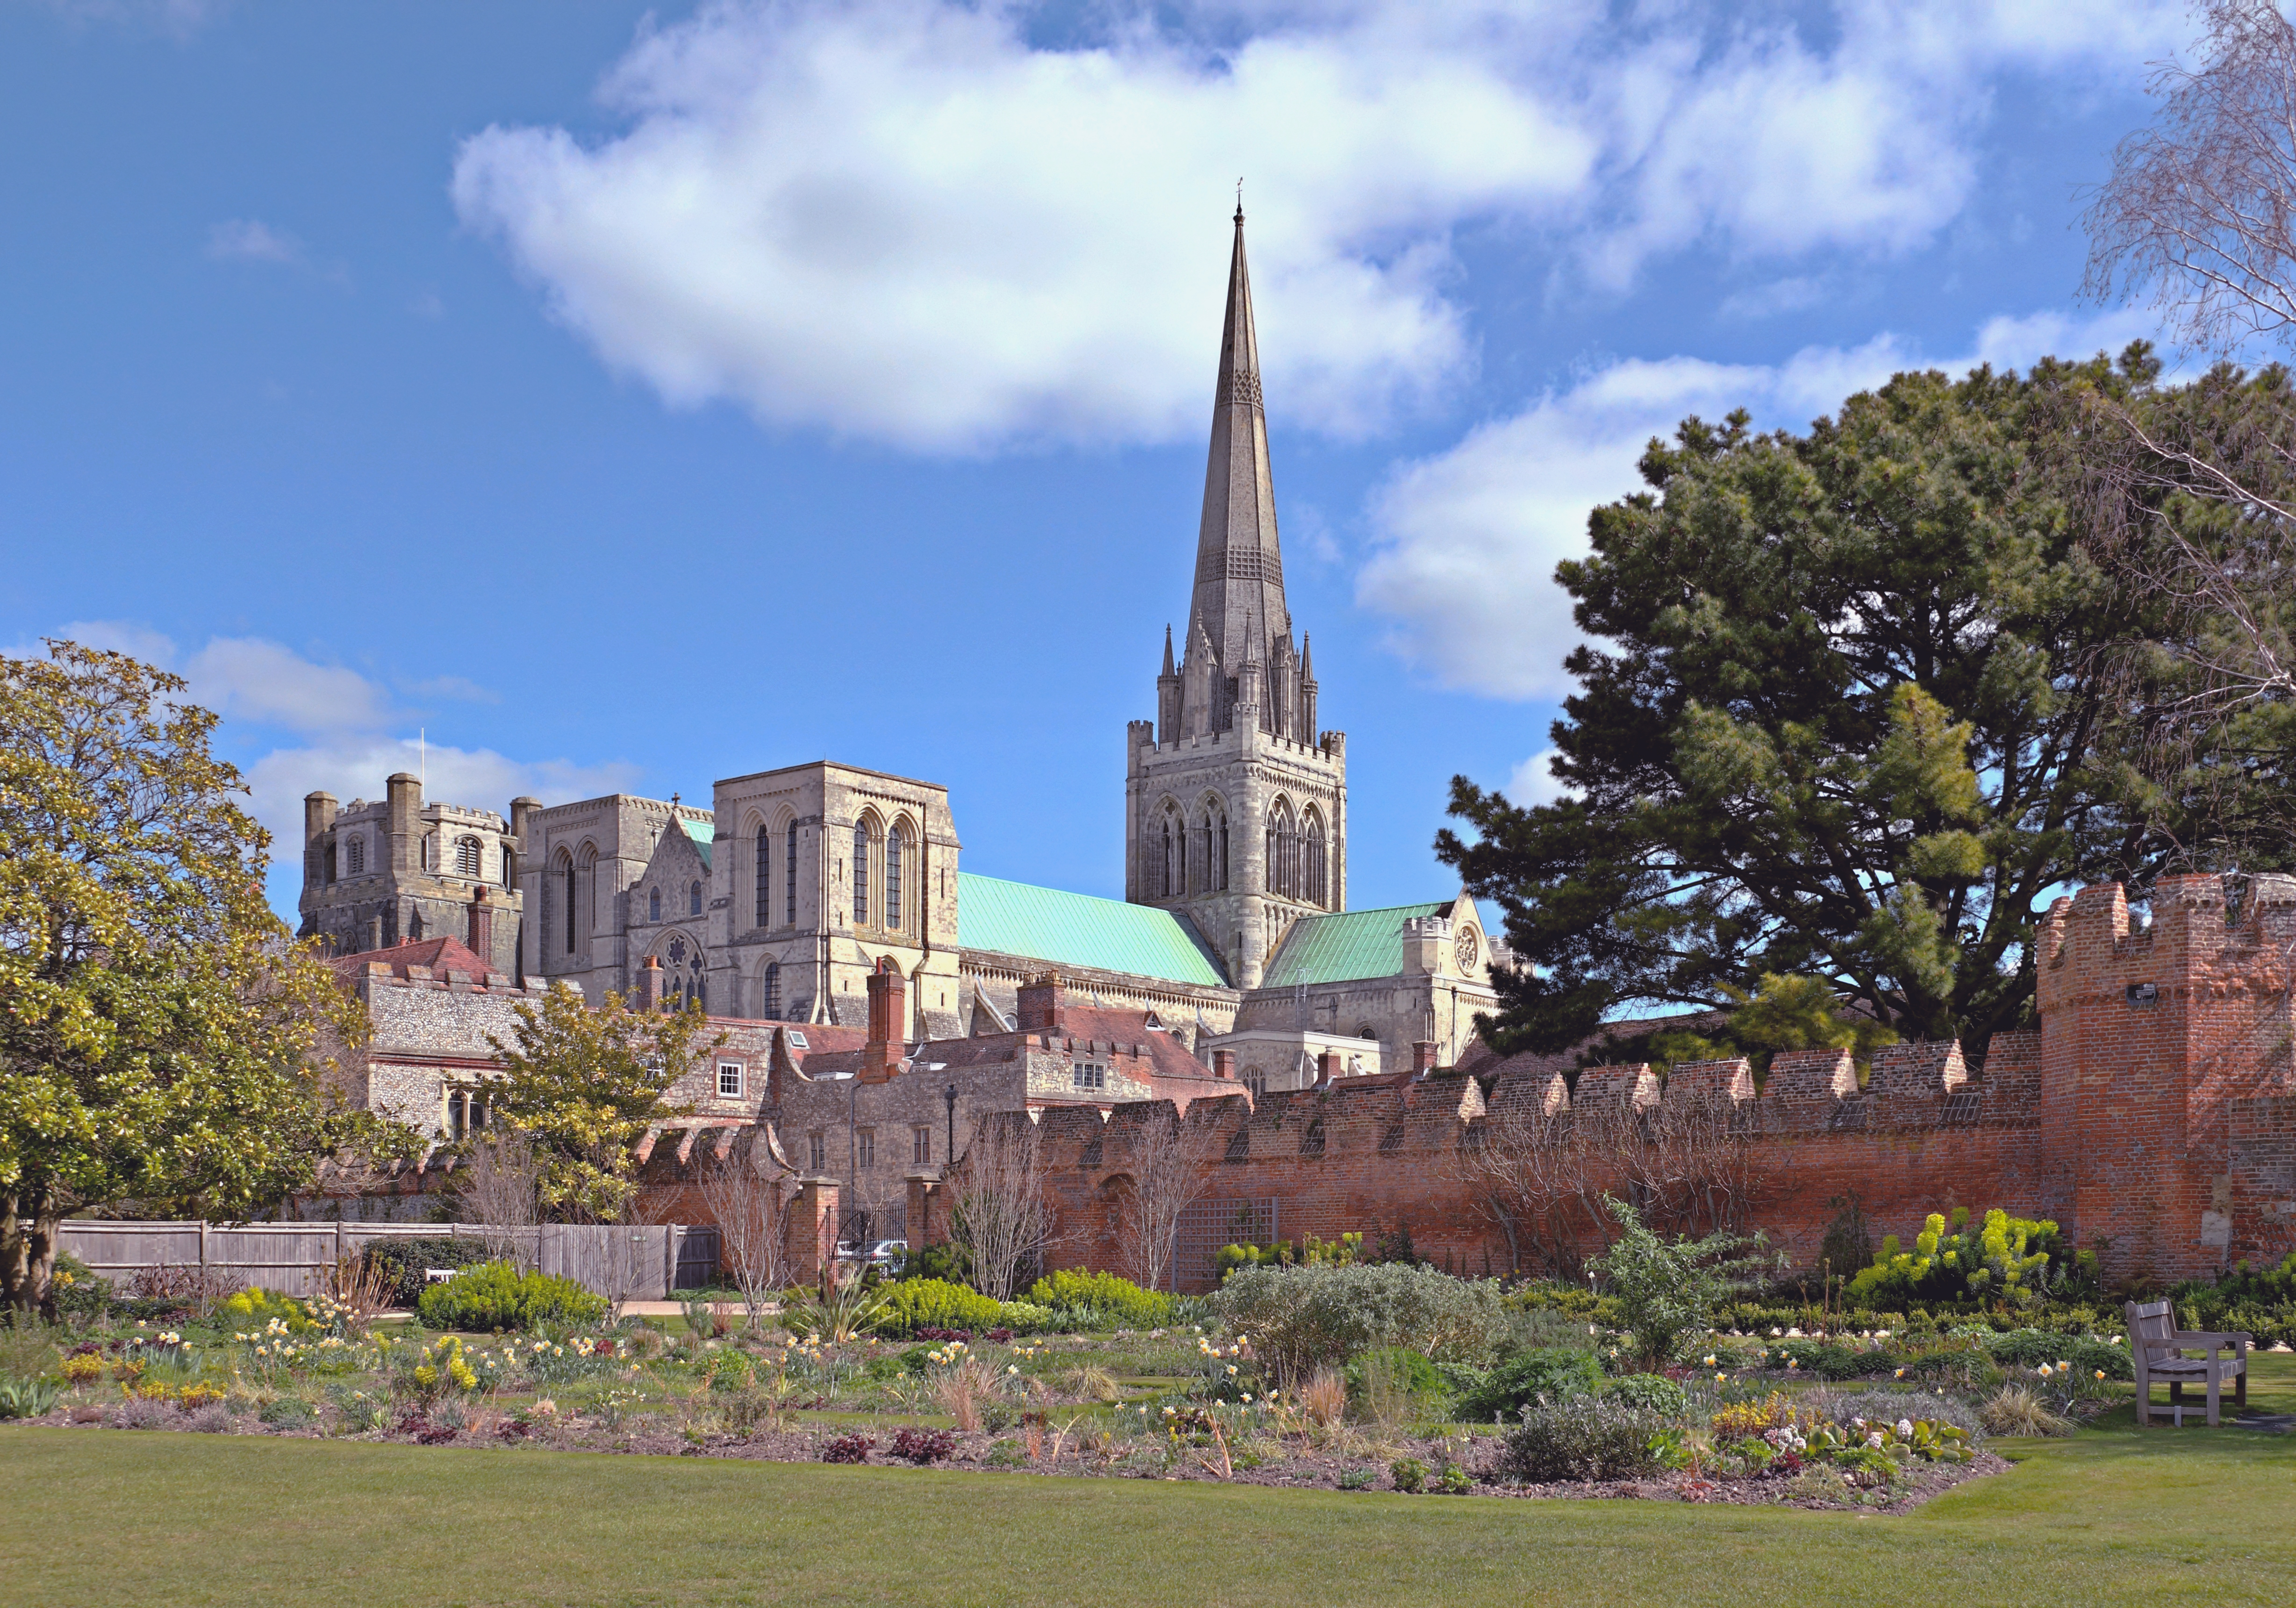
{"points": [[703, 833], [1342, 947], [1076, 929]]}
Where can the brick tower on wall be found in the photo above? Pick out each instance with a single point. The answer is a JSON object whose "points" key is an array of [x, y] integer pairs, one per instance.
{"points": [[1236, 804]]}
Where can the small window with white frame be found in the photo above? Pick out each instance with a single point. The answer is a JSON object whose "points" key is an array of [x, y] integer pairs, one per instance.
{"points": [[920, 1145], [729, 1079], [865, 1144], [816, 1150], [1090, 1076]]}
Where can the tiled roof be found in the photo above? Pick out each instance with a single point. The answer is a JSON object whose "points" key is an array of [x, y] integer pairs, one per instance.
{"points": [[441, 955], [1344, 946], [703, 833], [1076, 929]]}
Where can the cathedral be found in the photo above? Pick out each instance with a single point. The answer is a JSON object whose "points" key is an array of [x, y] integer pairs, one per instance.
{"points": [[778, 901]]}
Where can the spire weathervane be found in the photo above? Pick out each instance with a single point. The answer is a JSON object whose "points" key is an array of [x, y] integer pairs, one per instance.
{"points": [[1239, 200]]}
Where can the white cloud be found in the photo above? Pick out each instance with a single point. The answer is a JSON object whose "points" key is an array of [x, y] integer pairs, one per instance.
{"points": [[1533, 783], [246, 240], [1467, 541], [905, 220], [349, 736]]}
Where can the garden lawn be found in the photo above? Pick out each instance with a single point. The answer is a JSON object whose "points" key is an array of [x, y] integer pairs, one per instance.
{"points": [[103, 1516]]}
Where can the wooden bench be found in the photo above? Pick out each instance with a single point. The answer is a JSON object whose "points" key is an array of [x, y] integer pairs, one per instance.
{"points": [[2157, 1347]]}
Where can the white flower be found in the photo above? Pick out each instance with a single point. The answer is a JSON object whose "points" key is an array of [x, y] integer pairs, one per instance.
{"points": [[1776, 1334], [1906, 1428]]}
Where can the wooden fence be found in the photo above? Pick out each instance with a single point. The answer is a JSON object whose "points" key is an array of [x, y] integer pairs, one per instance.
{"points": [[636, 1263]]}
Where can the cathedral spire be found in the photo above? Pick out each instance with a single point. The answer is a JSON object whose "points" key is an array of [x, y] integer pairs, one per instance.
{"points": [[1238, 569]]}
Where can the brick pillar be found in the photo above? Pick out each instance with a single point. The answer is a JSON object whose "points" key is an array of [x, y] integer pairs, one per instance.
{"points": [[650, 983], [1328, 1067], [812, 1229], [927, 1222]]}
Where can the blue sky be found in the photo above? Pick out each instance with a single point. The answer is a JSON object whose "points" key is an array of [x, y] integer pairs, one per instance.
{"points": [[628, 397]]}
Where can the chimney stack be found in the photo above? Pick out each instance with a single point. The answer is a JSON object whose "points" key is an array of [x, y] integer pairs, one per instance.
{"points": [[1327, 1067], [1040, 1003], [1422, 1056], [1224, 1063], [889, 996], [649, 985]]}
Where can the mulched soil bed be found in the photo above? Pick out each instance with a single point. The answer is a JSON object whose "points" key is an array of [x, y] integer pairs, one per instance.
{"points": [[1302, 1468]]}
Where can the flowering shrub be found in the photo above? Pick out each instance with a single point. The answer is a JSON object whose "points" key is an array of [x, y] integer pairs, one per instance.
{"points": [[2006, 1260], [259, 1309], [1112, 1299], [82, 1368], [913, 1305], [1740, 1419], [496, 1296], [437, 1370]]}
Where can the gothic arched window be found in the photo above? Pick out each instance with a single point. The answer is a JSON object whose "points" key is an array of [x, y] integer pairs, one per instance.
{"points": [[566, 865], [1219, 852], [355, 857], [653, 904], [770, 991], [788, 879], [693, 899], [895, 842], [861, 874], [1171, 866], [1317, 863], [764, 878]]}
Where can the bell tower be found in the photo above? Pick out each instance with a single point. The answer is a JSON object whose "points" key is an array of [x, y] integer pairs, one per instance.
{"points": [[1236, 803]]}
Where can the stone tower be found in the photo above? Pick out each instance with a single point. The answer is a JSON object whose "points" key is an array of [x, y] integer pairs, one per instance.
{"points": [[398, 870], [1236, 804]]}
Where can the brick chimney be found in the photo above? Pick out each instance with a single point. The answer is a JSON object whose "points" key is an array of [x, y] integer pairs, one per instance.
{"points": [[650, 983], [1422, 1056], [1328, 1067], [1040, 1004], [1224, 1063], [889, 1016]]}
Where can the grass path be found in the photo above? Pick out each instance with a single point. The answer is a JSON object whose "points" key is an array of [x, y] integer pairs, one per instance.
{"points": [[111, 1517]]}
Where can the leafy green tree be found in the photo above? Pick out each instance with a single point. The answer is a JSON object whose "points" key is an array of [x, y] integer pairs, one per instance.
{"points": [[1786, 1013], [1667, 1289], [583, 1086], [1846, 716], [159, 1034]]}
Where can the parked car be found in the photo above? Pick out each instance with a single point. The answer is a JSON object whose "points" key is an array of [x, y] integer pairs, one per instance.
{"points": [[885, 1253], [848, 1250]]}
